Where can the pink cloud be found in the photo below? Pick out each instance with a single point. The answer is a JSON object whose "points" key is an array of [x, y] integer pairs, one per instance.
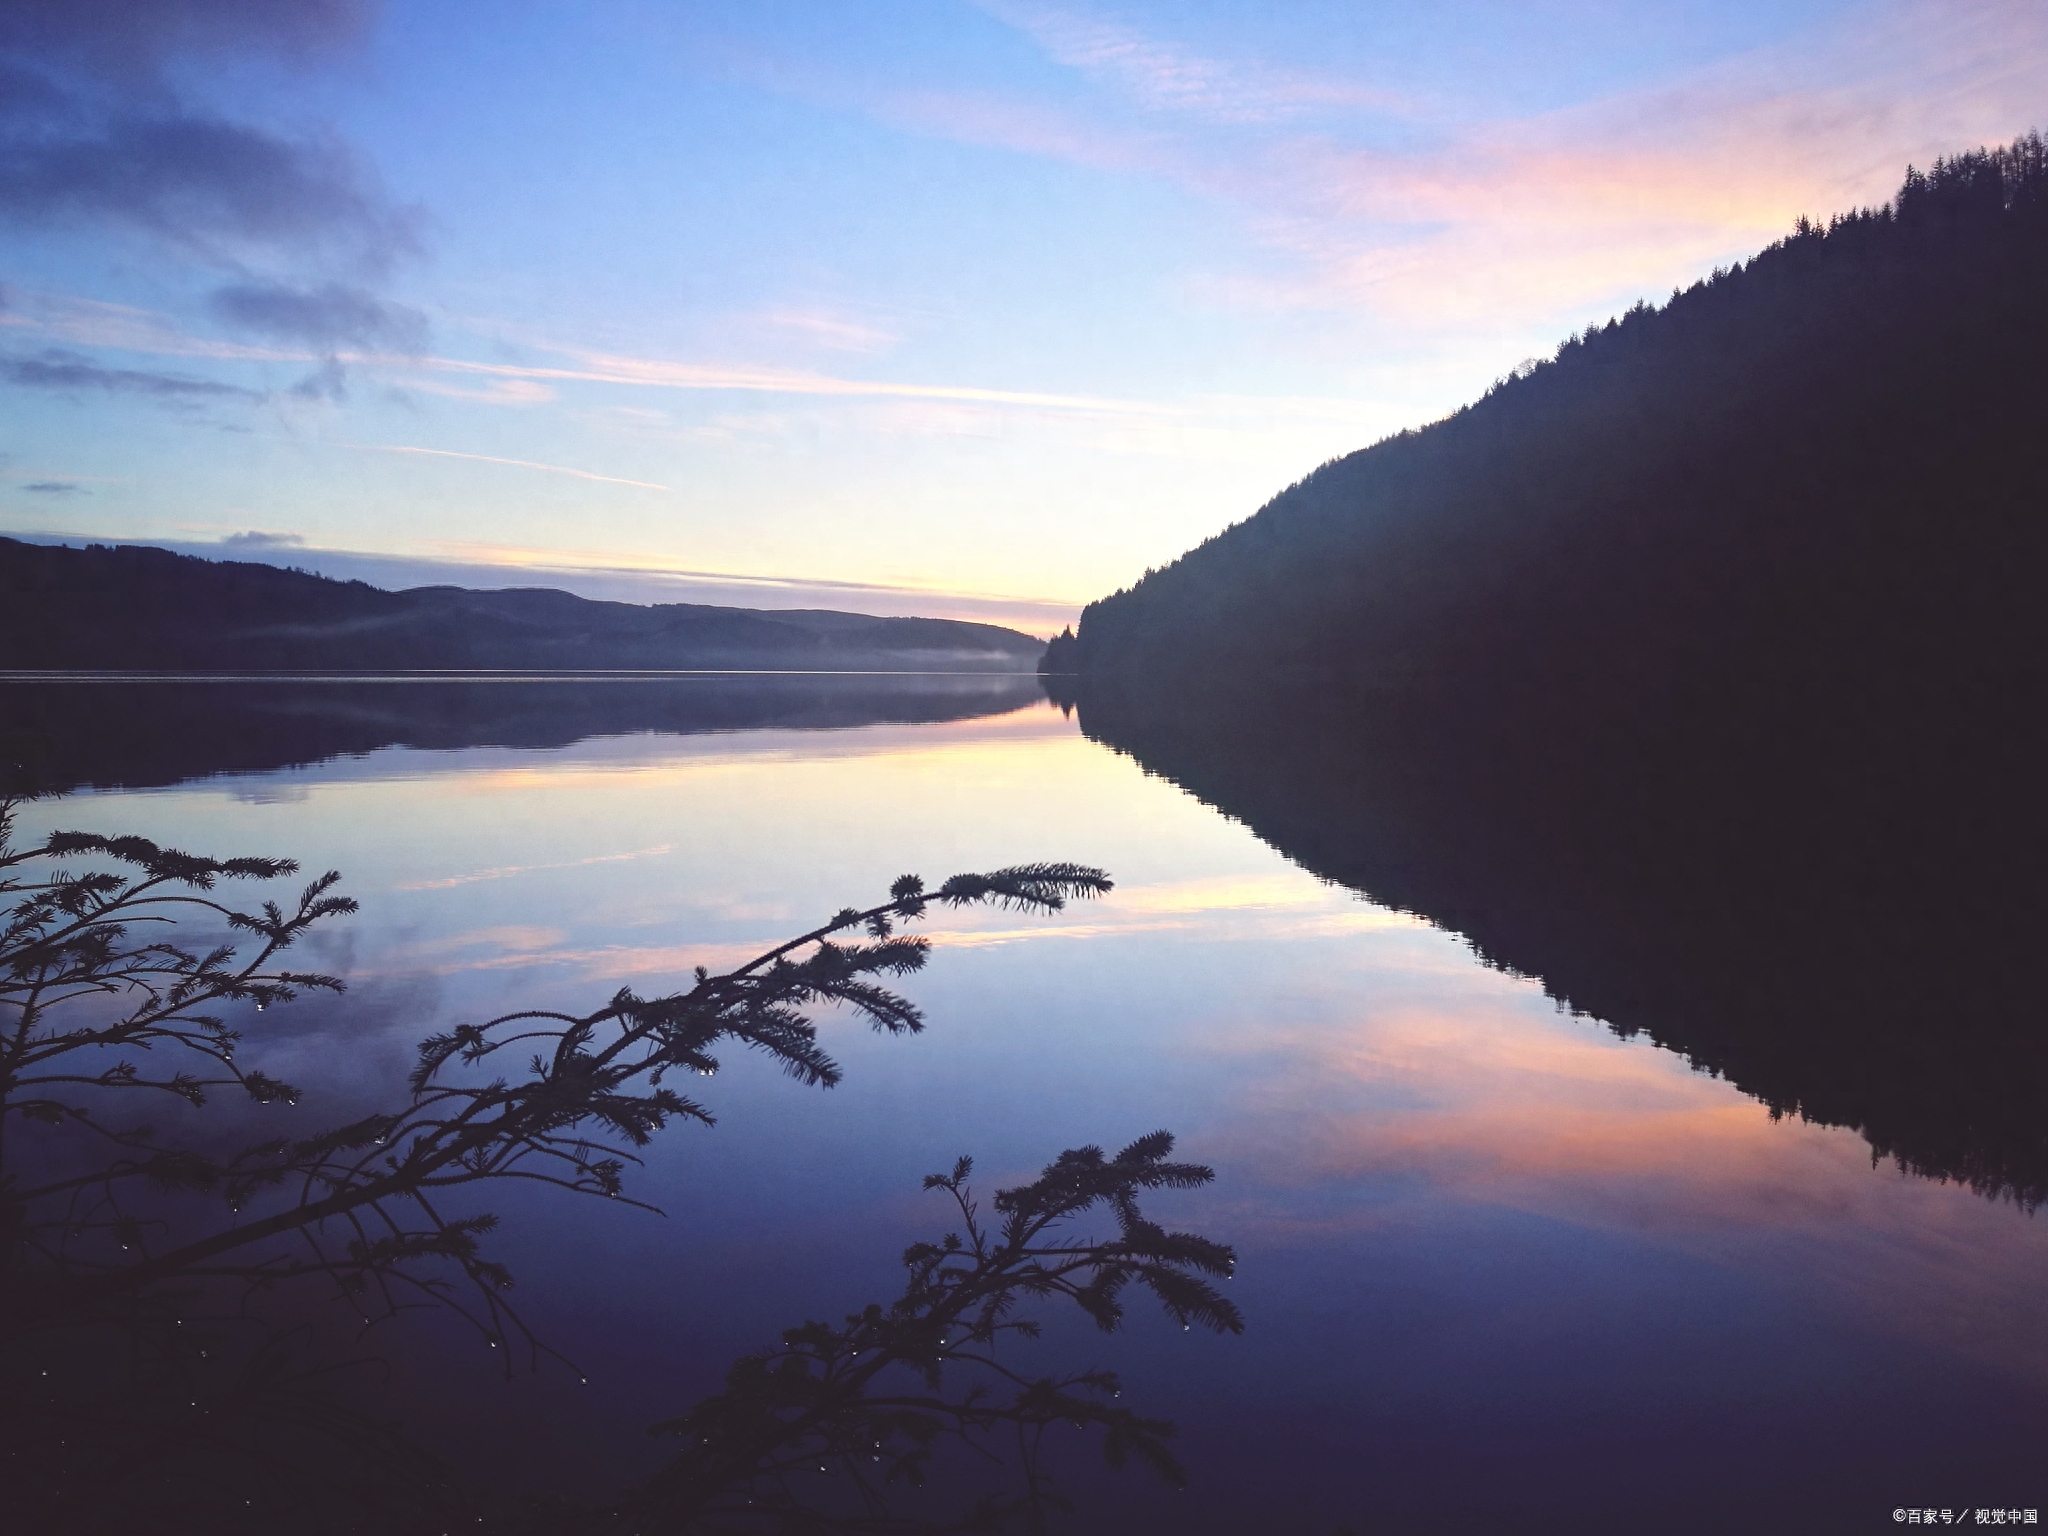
{"points": [[831, 330], [1640, 191], [1488, 1106], [1526, 219], [1025, 127]]}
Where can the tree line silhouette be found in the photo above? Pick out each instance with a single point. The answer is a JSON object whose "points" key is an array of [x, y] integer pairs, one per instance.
{"points": [[113, 607], [1809, 481]]}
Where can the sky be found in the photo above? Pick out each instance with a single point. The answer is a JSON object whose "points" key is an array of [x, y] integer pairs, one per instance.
{"points": [[973, 308]]}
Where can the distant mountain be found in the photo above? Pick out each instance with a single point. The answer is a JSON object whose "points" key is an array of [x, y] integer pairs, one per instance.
{"points": [[133, 607], [1815, 482]]}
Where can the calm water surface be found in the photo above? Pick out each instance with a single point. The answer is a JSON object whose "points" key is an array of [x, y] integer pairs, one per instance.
{"points": [[1503, 1270]]}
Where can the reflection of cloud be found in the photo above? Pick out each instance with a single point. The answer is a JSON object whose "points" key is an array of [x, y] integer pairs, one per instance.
{"points": [[1269, 908], [507, 871], [1470, 1099], [1254, 926], [510, 946], [1283, 904], [1225, 893]]}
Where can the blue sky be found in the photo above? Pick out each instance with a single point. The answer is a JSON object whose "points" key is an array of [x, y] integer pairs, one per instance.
{"points": [[963, 308]]}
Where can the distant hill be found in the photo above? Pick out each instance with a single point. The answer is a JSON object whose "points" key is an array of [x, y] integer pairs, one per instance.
{"points": [[1817, 481], [131, 607]]}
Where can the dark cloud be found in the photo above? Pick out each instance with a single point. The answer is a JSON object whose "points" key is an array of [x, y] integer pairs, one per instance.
{"points": [[94, 132], [204, 183], [329, 316], [254, 538], [55, 369], [327, 382], [55, 488], [29, 97], [98, 132], [129, 40]]}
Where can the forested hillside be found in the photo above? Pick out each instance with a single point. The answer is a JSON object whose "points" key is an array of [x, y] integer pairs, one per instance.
{"points": [[1820, 476], [1697, 672], [130, 607]]}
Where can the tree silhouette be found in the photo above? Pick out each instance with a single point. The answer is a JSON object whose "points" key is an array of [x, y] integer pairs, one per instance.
{"points": [[128, 1248], [866, 1400]]}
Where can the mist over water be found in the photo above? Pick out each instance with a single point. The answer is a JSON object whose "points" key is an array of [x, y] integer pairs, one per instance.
{"points": [[1503, 1268]]}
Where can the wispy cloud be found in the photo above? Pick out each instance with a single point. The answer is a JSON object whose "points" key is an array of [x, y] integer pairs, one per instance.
{"points": [[119, 327], [1207, 426], [655, 373], [594, 563], [1024, 127], [488, 458], [495, 392], [1643, 190], [1164, 76], [609, 575], [1513, 221], [85, 322], [68, 373], [827, 329], [55, 488], [329, 315]]}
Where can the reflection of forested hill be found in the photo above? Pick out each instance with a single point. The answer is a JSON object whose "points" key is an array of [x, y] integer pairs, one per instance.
{"points": [[131, 607], [1697, 671], [60, 736], [1856, 942]]}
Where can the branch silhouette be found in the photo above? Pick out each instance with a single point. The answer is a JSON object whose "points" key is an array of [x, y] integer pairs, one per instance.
{"points": [[101, 1240], [867, 1401]]}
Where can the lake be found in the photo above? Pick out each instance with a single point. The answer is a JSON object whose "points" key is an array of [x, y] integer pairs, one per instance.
{"points": [[1503, 1268]]}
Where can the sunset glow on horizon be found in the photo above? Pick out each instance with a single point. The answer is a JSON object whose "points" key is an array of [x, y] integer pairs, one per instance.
{"points": [[970, 309]]}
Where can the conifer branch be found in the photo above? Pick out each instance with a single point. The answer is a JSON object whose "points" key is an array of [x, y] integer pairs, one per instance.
{"points": [[826, 1399]]}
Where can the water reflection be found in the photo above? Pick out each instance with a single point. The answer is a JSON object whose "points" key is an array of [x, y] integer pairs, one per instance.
{"points": [[1502, 1269], [1861, 951], [136, 731]]}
